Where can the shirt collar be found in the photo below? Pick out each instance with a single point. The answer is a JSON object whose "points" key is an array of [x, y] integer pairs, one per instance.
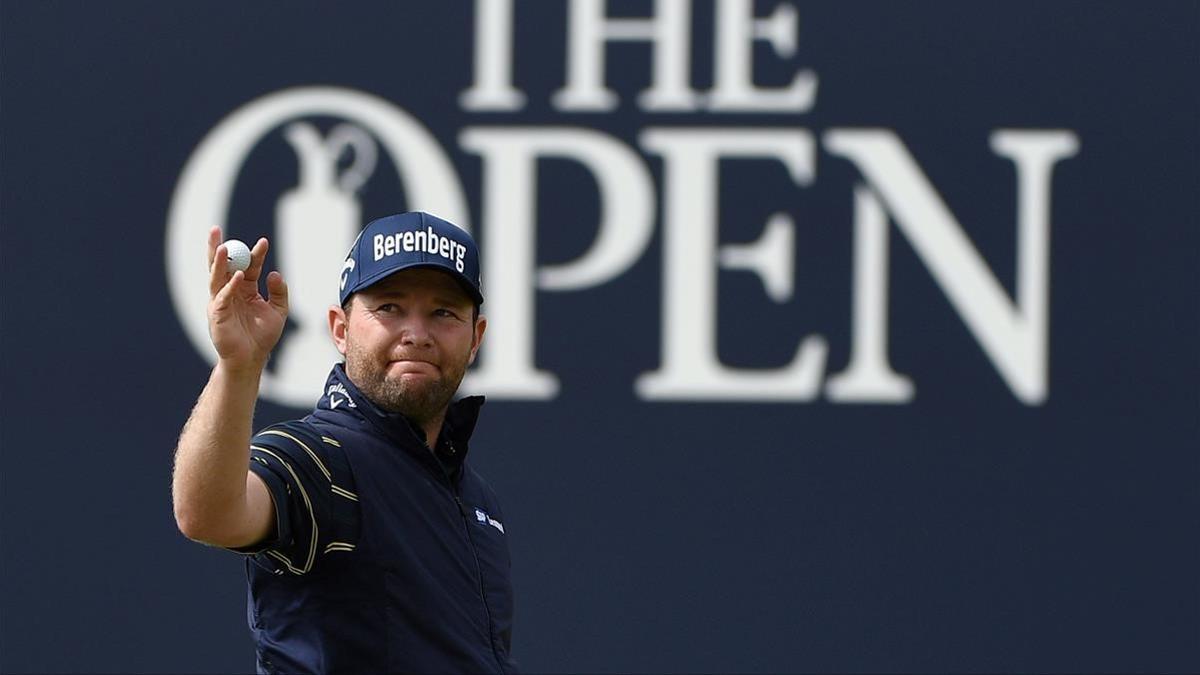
{"points": [[341, 397]]}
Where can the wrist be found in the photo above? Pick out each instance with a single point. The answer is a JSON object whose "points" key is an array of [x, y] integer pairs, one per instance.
{"points": [[244, 370]]}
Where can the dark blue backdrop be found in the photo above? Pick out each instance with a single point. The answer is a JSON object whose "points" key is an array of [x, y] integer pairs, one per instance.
{"points": [[961, 531]]}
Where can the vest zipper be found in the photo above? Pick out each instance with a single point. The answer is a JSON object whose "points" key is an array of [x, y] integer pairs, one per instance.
{"points": [[462, 511]]}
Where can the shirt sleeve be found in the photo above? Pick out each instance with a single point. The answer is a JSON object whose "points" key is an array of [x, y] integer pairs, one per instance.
{"points": [[299, 482]]}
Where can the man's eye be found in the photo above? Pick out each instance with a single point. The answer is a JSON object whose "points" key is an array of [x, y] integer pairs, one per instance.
{"points": [[445, 312], [386, 308]]}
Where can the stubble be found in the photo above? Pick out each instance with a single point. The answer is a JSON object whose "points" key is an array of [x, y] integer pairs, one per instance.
{"points": [[419, 400]]}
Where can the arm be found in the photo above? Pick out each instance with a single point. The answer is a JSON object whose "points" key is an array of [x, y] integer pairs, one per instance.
{"points": [[217, 500]]}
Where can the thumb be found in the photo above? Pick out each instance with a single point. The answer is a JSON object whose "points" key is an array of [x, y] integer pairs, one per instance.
{"points": [[228, 295]]}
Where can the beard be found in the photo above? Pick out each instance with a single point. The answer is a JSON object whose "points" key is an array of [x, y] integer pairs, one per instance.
{"points": [[418, 400]]}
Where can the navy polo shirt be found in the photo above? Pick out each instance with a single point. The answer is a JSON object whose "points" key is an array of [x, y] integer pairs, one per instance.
{"points": [[387, 556]]}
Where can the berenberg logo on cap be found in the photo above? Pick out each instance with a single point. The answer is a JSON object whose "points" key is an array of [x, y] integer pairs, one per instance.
{"points": [[428, 241]]}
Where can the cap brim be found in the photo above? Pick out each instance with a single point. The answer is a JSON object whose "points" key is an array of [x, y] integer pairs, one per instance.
{"points": [[462, 279]]}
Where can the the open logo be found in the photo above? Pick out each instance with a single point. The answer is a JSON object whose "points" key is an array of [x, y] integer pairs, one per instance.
{"points": [[315, 223]]}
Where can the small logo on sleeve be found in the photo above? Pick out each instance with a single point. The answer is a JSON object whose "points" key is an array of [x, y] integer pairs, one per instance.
{"points": [[481, 518]]}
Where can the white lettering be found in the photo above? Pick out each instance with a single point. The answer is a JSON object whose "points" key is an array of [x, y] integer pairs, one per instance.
{"points": [[737, 31], [493, 89], [588, 30], [690, 368], [771, 257], [509, 194], [428, 241], [1013, 337], [869, 377]]}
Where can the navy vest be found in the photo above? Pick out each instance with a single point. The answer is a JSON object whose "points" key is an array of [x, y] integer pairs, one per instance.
{"points": [[424, 584]]}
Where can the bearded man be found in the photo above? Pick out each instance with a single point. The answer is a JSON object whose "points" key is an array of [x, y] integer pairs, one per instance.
{"points": [[371, 544]]}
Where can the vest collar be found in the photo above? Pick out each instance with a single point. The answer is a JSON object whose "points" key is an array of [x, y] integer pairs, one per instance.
{"points": [[342, 398]]}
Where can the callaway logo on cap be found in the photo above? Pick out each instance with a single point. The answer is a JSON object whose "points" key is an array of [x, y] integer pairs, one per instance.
{"points": [[407, 240]]}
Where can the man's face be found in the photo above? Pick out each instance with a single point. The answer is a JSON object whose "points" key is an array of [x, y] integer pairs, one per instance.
{"points": [[408, 341]]}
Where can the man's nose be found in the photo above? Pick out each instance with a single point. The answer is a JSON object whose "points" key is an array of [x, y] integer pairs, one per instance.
{"points": [[415, 332]]}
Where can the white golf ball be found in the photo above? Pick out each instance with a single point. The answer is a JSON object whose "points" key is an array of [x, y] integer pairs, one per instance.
{"points": [[239, 255]]}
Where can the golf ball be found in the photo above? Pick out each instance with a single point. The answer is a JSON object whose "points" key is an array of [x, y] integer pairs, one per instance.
{"points": [[239, 255]]}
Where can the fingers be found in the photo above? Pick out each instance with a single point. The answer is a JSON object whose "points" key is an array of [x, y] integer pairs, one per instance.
{"points": [[218, 269], [228, 295], [258, 255], [277, 292], [214, 238], [218, 261], [221, 281]]}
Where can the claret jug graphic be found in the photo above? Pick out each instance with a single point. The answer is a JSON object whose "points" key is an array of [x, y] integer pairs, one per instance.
{"points": [[315, 224], [315, 221]]}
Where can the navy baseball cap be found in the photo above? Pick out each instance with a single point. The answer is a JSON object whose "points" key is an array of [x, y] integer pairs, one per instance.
{"points": [[408, 240]]}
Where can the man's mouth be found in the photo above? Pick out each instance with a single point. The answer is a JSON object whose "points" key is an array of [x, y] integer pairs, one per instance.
{"points": [[417, 366]]}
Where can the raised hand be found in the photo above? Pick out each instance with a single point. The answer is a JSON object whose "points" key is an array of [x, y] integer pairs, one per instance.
{"points": [[243, 325]]}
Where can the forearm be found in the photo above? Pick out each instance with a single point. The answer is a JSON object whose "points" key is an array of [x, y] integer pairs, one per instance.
{"points": [[213, 455]]}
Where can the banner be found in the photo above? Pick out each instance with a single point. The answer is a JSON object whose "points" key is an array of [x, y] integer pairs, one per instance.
{"points": [[821, 336]]}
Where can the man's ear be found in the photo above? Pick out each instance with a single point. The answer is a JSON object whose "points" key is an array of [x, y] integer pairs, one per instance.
{"points": [[338, 326], [477, 339]]}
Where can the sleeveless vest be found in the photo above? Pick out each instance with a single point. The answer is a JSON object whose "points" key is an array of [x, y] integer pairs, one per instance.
{"points": [[411, 577]]}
